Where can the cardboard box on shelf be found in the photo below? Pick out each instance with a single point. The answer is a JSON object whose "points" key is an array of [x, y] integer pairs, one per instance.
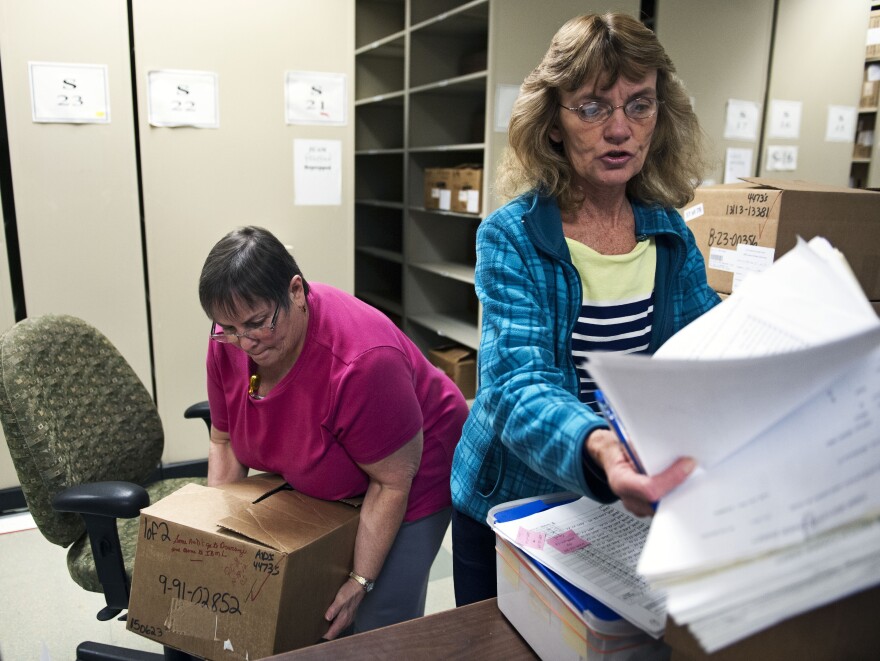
{"points": [[745, 226], [870, 86], [460, 364], [243, 571], [438, 188], [467, 181], [872, 48]]}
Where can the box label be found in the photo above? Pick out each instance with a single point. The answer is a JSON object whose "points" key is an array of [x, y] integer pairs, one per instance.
{"points": [[722, 259], [694, 212]]}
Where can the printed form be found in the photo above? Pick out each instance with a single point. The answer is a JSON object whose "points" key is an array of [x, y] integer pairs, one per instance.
{"points": [[604, 567]]}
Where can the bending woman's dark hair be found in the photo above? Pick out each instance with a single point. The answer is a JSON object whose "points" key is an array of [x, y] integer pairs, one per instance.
{"points": [[249, 265]]}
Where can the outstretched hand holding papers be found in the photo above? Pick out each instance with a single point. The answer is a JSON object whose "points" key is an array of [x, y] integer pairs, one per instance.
{"points": [[780, 339], [776, 394]]}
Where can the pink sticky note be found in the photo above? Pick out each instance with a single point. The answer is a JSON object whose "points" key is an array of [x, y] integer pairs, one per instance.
{"points": [[567, 542], [530, 538]]}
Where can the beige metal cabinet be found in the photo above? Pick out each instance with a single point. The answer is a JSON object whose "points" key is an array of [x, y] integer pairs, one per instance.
{"points": [[75, 185], [198, 184]]}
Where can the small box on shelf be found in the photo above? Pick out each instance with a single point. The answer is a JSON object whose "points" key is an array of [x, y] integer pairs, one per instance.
{"points": [[864, 138], [454, 189], [467, 181], [438, 188], [459, 364], [870, 87], [872, 49]]}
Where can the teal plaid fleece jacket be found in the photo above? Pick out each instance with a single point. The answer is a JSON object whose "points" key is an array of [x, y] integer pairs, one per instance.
{"points": [[525, 433]]}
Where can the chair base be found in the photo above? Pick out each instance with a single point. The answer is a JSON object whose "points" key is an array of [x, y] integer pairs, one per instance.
{"points": [[89, 651]]}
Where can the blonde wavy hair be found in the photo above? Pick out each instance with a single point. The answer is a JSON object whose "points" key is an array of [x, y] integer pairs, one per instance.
{"points": [[604, 48]]}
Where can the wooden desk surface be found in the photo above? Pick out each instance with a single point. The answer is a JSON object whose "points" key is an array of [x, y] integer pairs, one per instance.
{"points": [[478, 631]]}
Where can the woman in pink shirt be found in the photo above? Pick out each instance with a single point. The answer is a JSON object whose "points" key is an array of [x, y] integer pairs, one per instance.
{"points": [[306, 381]]}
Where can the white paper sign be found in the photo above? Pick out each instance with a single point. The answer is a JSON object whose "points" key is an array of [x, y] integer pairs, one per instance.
{"points": [[505, 97], [841, 124], [741, 122], [785, 119], [69, 93], [782, 158], [737, 164], [314, 98], [183, 98], [317, 171]]}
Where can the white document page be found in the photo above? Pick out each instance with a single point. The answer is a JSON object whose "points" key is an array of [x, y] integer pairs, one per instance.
{"points": [[817, 470], [709, 409], [712, 594], [606, 567], [842, 564], [786, 334]]}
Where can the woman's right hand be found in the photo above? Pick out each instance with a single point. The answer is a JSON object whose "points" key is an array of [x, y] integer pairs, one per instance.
{"points": [[223, 466], [637, 492]]}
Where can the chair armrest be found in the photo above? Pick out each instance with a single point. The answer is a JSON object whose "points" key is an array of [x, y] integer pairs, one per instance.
{"points": [[199, 410], [118, 500], [100, 504]]}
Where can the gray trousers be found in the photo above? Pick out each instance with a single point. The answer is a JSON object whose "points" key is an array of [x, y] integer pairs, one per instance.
{"points": [[402, 585]]}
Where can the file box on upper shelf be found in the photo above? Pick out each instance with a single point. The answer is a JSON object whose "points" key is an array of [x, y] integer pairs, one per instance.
{"points": [[438, 188], [762, 218], [467, 181], [454, 189], [550, 623]]}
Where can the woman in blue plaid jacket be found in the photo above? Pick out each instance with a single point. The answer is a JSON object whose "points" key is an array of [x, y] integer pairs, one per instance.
{"points": [[588, 255]]}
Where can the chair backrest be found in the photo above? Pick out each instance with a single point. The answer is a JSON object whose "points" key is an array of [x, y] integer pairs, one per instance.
{"points": [[73, 411]]}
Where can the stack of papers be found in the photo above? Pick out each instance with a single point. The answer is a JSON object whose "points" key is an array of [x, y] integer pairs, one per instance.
{"points": [[594, 547], [776, 394]]}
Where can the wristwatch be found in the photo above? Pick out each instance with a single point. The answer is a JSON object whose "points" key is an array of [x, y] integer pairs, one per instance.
{"points": [[366, 583]]}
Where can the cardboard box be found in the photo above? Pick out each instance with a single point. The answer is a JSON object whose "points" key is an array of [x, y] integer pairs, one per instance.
{"points": [[870, 86], [864, 141], [438, 188], [761, 219], [467, 181], [231, 573], [553, 627], [459, 364], [872, 48]]}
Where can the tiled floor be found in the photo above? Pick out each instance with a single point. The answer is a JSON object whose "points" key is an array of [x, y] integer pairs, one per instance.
{"points": [[44, 615]]}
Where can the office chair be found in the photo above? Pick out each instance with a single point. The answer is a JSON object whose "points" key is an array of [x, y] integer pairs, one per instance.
{"points": [[84, 435]]}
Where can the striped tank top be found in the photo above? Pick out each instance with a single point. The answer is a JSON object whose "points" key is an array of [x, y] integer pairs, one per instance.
{"points": [[618, 304]]}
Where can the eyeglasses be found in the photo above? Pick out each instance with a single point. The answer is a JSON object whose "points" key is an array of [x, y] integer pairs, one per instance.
{"points": [[255, 334], [595, 112]]}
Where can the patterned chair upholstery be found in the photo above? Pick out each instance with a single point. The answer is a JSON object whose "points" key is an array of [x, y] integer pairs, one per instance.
{"points": [[75, 413]]}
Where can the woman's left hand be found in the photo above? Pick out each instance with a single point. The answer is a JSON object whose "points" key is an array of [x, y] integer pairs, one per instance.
{"points": [[342, 610], [381, 514]]}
